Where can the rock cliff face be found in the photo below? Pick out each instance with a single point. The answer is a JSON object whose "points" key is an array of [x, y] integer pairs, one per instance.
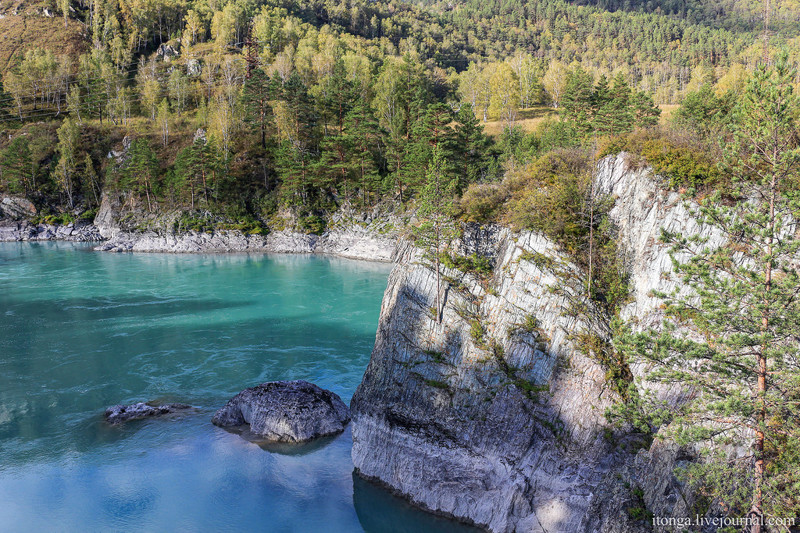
{"points": [[494, 415]]}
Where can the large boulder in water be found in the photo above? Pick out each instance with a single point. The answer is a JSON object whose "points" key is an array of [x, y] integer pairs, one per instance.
{"points": [[285, 411], [118, 414]]}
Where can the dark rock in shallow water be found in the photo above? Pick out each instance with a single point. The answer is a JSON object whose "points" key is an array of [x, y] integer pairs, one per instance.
{"points": [[285, 411], [118, 414]]}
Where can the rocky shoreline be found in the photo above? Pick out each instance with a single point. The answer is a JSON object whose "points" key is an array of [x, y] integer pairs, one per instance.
{"points": [[347, 243], [16, 230], [350, 241]]}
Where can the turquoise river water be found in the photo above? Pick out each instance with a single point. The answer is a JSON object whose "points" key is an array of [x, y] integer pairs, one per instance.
{"points": [[81, 330]]}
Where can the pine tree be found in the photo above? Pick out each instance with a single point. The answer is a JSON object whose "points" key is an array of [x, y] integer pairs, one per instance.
{"points": [[436, 228], [702, 111], [259, 90], [732, 338], [621, 111], [577, 99], [295, 157], [431, 131], [601, 112], [336, 95], [471, 147], [335, 166], [645, 112], [364, 136], [141, 170]]}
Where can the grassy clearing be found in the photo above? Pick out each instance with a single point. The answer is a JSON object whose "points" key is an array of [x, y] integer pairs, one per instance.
{"points": [[528, 119], [666, 112]]}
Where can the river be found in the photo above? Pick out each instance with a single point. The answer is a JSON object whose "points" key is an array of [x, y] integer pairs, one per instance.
{"points": [[81, 330]]}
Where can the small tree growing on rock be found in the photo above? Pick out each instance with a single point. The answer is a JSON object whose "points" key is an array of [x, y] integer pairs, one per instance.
{"points": [[436, 206]]}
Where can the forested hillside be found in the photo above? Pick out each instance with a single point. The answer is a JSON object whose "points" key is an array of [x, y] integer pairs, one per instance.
{"points": [[247, 107]]}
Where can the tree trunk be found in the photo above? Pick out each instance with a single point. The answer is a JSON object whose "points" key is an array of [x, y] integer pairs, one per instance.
{"points": [[761, 361], [438, 279]]}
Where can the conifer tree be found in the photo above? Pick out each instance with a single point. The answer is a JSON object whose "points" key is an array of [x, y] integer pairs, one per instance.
{"points": [[731, 337], [259, 90], [336, 96], [645, 112], [335, 165], [577, 99], [436, 228], [431, 131], [621, 111], [364, 136], [471, 146], [17, 165], [601, 107], [294, 159], [141, 170]]}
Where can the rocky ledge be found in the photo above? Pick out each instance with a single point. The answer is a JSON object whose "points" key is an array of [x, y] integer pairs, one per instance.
{"points": [[370, 236], [285, 411], [119, 414]]}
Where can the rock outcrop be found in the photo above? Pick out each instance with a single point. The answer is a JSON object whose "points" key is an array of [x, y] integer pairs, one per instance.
{"points": [[349, 244], [492, 411], [124, 225], [16, 208], [489, 415], [12, 230], [118, 414], [285, 411]]}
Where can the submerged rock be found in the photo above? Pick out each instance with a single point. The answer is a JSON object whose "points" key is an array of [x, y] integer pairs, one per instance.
{"points": [[286, 411], [117, 414]]}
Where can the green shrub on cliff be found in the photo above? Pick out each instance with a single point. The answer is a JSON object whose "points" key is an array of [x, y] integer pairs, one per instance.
{"points": [[682, 158]]}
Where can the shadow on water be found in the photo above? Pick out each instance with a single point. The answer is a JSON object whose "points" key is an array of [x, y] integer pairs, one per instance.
{"points": [[293, 449], [380, 511]]}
